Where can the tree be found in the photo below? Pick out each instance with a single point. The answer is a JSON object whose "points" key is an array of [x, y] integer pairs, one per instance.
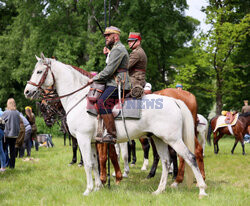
{"points": [[230, 29]]}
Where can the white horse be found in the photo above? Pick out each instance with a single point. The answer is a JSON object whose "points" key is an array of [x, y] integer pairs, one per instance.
{"points": [[202, 129], [168, 120]]}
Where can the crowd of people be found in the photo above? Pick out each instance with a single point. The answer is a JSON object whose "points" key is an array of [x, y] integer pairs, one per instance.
{"points": [[17, 133]]}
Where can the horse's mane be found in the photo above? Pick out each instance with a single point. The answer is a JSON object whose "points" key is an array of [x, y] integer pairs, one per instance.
{"points": [[245, 114], [82, 71]]}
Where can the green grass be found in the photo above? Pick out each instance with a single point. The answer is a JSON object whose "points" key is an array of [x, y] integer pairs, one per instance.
{"points": [[50, 181]]}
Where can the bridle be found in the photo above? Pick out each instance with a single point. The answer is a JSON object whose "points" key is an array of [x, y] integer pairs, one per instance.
{"points": [[47, 96], [42, 80]]}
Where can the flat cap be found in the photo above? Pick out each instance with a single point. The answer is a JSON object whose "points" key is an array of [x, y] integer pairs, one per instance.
{"points": [[112, 30]]}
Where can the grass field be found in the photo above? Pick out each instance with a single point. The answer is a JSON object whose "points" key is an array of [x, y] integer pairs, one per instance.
{"points": [[50, 181]]}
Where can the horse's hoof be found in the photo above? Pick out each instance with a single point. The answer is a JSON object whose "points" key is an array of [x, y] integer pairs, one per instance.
{"points": [[203, 195], [150, 175], [125, 174], [174, 185], [144, 168], [86, 193], [157, 192]]}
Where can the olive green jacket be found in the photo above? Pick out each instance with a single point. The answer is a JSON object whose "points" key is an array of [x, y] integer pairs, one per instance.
{"points": [[118, 59]]}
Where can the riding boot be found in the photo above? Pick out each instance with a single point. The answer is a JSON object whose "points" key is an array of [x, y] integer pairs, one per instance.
{"points": [[109, 123]]}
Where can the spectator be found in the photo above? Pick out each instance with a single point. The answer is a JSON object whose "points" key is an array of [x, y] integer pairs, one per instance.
{"points": [[20, 139], [27, 139], [179, 86], [12, 127], [32, 120], [2, 155], [246, 107], [1, 111]]}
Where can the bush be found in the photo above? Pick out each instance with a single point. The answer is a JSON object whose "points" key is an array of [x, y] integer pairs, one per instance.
{"points": [[43, 129]]}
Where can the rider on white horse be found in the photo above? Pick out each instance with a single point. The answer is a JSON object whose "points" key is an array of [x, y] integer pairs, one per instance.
{"points": [[115, 71]]}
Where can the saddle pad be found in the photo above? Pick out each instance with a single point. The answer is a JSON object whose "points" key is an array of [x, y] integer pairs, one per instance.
{"points": [[131, 109], [221, 121]]}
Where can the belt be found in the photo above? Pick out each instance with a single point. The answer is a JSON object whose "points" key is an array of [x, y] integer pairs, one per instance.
{"points": [[122, 70]]}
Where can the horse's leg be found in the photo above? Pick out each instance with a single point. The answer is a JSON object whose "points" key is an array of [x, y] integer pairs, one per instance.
{"points": [[133, 151], [180, 175], [241, 139], [199, 157], [203, 141], [156, 160], [216, 142], [98, 183], [114, 160], [162, 149], [173, 157], [145, 146], [84, 143], [190, 159], [74, 149], [69, 139], [124, 152], [64, 136], [102, 152], [235, 144], [243, 147]]}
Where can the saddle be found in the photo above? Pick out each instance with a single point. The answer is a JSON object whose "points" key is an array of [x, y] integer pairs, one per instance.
{"points": [[221, 122], [131, 109]]}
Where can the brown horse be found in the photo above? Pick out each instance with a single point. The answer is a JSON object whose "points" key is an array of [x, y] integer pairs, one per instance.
{"points": [[239, 130]]}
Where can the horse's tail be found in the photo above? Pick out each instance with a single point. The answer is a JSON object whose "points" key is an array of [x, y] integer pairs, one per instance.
{"points": [[209, 132], [188, 134]]}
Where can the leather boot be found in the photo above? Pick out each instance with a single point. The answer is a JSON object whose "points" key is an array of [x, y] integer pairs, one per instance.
{"points": [[109, 123]]}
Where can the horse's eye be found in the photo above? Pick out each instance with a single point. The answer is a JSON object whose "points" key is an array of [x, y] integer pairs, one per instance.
{"points": [[39, 72]]}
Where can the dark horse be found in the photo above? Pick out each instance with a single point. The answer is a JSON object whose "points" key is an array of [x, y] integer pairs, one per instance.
{"points": [[239, 129], [51, 112]]}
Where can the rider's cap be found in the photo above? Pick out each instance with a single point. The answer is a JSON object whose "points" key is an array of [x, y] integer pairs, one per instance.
{"points": [[178, 85], [134, 36], [112, 30]]}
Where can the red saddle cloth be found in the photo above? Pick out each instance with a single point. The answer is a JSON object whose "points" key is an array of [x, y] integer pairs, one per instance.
{"points": [[229, 117]]}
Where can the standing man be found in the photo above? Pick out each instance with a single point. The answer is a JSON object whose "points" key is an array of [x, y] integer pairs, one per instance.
{"points": [[116, 71], [137, 61], [246, 107]]}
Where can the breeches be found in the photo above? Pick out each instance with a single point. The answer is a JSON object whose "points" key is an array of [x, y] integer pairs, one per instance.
{"points": [[108, 99]]}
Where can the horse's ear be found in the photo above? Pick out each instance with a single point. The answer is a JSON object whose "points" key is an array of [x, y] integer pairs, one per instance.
{"points": [[37, 58], [42, 56]]}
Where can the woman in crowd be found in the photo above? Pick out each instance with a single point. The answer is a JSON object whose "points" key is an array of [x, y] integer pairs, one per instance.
{"points": [[32, 120], [27, 139], [2, 155], [12, 126]]}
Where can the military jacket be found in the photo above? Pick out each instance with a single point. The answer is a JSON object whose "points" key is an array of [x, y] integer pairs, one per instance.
{"points": [[137, 60], [118, 60]]}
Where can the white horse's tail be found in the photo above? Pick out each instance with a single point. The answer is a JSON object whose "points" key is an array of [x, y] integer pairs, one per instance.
{"points": [[188, 137]]}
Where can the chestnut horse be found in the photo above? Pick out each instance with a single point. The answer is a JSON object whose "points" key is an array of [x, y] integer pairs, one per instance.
{"points": [[239, 131]]}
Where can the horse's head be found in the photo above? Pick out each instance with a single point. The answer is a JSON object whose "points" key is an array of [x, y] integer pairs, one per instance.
{"points": [[41, 78]]}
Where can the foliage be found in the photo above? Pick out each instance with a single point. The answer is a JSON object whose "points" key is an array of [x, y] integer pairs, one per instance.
{"points": [[213, 66]]}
